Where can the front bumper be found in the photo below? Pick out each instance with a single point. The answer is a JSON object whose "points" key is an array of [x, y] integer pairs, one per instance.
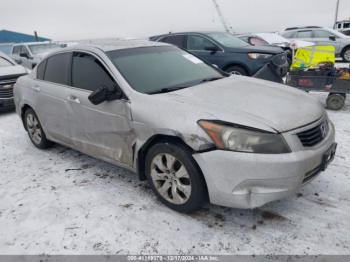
{"points": [[244, 180], [6, 104]]}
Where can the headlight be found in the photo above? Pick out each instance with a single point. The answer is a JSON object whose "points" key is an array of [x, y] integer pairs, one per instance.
{"points": [[239, 139], [259, 56]]}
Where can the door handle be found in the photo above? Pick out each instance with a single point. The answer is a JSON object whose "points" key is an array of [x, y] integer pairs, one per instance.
{"points": [[73, 99], [36, 88]]}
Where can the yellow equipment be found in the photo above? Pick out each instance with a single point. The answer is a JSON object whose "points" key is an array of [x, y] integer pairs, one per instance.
{"points": [[312, 56]]}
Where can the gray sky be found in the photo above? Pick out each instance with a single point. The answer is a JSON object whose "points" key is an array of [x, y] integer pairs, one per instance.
{"points": [[82, 19]]}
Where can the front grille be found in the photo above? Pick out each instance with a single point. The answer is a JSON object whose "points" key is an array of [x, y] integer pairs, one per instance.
{"points": [[6, 88], [315, 135]]}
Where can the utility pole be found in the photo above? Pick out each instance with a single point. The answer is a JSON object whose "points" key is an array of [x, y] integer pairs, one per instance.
{"points": [[217, 7], [337, 11]]}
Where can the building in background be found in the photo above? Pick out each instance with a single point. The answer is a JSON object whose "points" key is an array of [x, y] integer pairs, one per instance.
{"points": [[7, 38]]}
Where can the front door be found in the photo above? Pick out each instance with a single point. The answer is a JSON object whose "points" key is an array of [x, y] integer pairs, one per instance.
{"points": [[203, 48], [103, 130]]}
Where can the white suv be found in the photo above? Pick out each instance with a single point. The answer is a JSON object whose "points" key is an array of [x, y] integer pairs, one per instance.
{"points": [[322, 36], [30, 54]]}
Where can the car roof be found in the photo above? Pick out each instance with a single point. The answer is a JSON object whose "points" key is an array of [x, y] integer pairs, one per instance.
{"points": [[110, 45], [33, 43], [187, 33]]}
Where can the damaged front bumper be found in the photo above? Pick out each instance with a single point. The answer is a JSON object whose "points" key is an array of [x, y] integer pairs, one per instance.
{"points": [[245, 180]]}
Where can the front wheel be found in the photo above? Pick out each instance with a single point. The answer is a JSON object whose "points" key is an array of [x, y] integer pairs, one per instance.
{"points": [[35, 131], [236, 70], [175, 178]]}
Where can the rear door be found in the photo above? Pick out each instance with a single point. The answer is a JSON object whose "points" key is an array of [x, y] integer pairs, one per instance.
{"points": [[103, 130], [53, 78]]}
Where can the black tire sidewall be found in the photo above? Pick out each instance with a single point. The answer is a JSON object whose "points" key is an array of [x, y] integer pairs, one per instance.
{"points": [[198, 191], [343, 54], [44, 143], [239, 69], [331, 98]]}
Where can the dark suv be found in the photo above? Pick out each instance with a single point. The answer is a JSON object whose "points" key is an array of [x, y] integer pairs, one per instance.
{"points": [[224, 50]]}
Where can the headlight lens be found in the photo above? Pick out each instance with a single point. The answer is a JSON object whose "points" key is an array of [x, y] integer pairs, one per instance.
{"points": [[244, 140], [259, 56]]}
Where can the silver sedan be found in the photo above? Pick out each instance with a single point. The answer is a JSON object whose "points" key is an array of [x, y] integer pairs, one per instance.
{"points": [[194, 132]]}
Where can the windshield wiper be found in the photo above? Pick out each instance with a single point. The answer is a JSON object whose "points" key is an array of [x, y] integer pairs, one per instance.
{"points": [[167, 90], [210, 79], [175, 88]]}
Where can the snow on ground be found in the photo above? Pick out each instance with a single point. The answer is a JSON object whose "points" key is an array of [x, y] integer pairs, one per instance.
{"points": [[62, 202]]}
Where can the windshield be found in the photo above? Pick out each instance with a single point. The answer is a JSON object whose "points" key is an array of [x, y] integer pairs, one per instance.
{"points": [[161, 69], [4, 62], [41, 48], [227, 40]]}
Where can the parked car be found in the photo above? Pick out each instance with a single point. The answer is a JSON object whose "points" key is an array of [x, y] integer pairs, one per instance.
{"points": [[322, 36], [224, 50], [193, 131], [30, 54], [263, 39], [9, 72]]}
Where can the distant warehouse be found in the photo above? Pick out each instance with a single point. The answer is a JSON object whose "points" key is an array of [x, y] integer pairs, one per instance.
{"points": [[7, 38]]}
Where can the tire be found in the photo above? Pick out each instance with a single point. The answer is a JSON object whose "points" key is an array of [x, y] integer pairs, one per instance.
{"points": [[236, 70], [171, 167], [346, 54], [335, 101], [35, 131]]}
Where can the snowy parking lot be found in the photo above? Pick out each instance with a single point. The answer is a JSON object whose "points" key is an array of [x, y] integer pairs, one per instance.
{"points": [[60, 201]]}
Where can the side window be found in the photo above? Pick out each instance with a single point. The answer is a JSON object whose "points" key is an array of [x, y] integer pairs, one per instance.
{"points": [[346, 25], [58, 68], [177, 40], [16, 49], [322, 34], [304, 34], [41, 70], [24, 50], [198, 43], [88, 72], [288, 34]]}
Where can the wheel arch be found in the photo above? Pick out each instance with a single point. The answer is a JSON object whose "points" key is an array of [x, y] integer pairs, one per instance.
{"points": [[344, 49], [24, 108], [156, 139]]}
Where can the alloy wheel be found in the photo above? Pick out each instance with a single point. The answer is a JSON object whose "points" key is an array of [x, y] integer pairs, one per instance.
{"points": [[171, 179], [34, 129], [347, 55]]}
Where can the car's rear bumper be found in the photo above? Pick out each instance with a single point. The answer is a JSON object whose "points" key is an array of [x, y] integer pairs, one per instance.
{"points": [[244, 180]]}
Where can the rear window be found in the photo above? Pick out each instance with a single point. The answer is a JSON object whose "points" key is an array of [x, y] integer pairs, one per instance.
{"points": [[41, 70], [177, 40], [57, 69]]}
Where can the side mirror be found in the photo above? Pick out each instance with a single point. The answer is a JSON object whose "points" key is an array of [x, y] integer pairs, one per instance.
{"points": [[24, 55], [213, 49], [104, 93], [332, 37]]}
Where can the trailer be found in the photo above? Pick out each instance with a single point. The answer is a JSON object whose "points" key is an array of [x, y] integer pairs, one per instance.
{"points": [[318, 80]]}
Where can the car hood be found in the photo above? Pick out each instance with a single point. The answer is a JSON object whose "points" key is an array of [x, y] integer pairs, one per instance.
{"points": [[266, 49], [7, 71], [251, 102]]}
